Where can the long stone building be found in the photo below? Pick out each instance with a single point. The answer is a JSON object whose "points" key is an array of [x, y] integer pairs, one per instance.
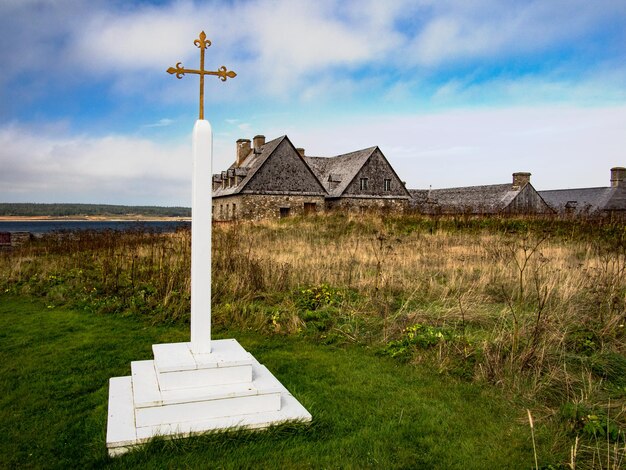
{"points": [[275, 179], [592, 202], [518, 197]]}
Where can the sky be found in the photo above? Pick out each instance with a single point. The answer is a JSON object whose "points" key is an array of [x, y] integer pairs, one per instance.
{"points": [[454, 93]]}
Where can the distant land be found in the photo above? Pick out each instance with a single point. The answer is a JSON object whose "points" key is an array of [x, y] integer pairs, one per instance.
{"points": [[9, 210]]}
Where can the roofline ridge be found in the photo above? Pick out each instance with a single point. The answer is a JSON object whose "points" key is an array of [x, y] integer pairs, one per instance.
{"points": [[577, 189], [477, 186]]}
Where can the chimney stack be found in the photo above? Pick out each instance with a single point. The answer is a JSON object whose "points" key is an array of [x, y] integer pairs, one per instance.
{"points": [[243, 149], [520, 179], [257, 142], [300, 151], [618, 175]]}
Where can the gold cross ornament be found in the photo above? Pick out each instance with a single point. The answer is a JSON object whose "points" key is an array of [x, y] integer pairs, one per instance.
{"points": [[202, 42]]}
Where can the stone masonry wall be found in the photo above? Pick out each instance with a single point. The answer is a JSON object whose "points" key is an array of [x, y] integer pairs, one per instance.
{"points": [[354, 204], [257, 206]]}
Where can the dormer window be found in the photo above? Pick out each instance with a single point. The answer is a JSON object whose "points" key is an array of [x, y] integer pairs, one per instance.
{"points": [[363, 184]]}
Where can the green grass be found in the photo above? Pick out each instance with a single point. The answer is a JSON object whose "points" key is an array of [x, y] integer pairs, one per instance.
{"points": [[368, 411]]}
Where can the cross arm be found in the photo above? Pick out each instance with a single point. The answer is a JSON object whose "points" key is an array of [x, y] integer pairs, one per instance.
{"points": [[223, 73]]}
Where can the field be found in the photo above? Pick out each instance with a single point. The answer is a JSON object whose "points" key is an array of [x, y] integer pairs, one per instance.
{"points": [[509, 333]]}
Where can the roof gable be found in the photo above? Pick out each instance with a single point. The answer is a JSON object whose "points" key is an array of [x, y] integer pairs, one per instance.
{"points": [[250, 165], [282, 171], [340, 175], [376, 169], [276, 169], [339, 171]]}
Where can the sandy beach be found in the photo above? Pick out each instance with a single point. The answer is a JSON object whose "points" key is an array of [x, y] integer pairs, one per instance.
{"points": [[94, 218]]}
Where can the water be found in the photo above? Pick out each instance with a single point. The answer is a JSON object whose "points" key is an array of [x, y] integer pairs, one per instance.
{"points": [[45, 226]]}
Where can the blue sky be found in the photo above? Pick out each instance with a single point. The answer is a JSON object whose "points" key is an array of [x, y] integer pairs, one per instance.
{"points": [[454, 93]]}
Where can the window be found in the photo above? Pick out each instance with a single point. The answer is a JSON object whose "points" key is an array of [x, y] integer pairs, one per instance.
{"points": [[284, 212], [363, 184], [234, 208], [571, 206], [387, 185], [221, 211]]}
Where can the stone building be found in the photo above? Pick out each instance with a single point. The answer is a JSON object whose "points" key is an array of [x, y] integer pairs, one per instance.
{"points": [[593, 202], [361, 180], [518, 197], [274, 179], [13, 239]]}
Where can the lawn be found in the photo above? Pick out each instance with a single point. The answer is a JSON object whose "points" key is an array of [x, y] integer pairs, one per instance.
{"points": [[368, 410]]}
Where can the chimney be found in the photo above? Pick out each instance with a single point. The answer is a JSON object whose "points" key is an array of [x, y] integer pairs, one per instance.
{"points": [[258, 142], [618, 175], [520, 179], [243, 149], [300, 151]]}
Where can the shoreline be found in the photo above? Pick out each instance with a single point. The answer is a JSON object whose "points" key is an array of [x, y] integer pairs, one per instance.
{"points": [[91, 218]]}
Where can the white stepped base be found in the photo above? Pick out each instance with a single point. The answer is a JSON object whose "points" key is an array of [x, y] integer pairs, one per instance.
{"points": [[140, 410], [178, 367]]}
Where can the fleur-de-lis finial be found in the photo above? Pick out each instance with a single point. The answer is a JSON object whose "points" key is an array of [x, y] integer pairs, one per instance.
{"points": [[223, 73], [202, 42]]}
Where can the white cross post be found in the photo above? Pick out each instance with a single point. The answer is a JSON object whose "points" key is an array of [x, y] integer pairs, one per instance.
{"points": [[201, 208], [201, 215]]}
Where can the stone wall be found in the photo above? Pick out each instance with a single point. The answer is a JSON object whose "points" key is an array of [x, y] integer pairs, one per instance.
{"points": [[11, 239], [364, 204], [261, 206]]}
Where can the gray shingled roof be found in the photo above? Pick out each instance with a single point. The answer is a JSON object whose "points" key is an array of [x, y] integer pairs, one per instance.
{"points": [[252, 162], [341, 169], [489, 199], [419, 196], [585, 200]]}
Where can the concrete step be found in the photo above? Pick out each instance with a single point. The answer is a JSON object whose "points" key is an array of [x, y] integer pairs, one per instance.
{"points": [[178, 367], [139, 409]]}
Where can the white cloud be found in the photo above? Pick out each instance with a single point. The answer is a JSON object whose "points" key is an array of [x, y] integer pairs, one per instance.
{"points": [[462, 31], [595, 87], [41, 167], [139, 39], [280, 47], [274, 43], [445, 38], [161, 123]]}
